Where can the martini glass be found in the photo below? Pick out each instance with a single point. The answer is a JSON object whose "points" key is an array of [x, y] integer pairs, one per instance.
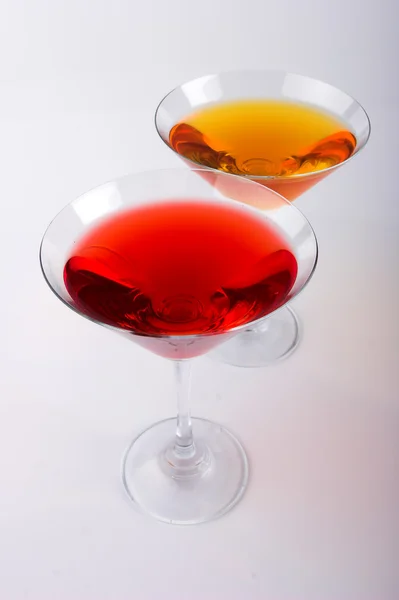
{"points": [[278, 336], [185, 470]]}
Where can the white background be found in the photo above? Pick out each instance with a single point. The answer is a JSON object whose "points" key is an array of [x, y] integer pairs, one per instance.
{"points": [[79, 83]]}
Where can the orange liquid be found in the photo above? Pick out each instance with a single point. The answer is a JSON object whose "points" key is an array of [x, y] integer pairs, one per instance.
{"points": [[258, 138]]}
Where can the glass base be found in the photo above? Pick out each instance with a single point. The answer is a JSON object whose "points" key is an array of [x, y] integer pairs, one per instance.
{"points": [[190, 489], [276, 338]]}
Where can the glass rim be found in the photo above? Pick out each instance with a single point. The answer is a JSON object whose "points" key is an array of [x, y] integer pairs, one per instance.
{"points": [[265, 72], [188, 336]]}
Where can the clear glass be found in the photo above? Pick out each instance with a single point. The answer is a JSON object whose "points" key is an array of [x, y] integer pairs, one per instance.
{"points": [[258, 347], [190, 470]]}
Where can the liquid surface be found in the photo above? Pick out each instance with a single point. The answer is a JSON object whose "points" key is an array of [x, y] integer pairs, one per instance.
{"points": [[180, 267], [263, 138]]}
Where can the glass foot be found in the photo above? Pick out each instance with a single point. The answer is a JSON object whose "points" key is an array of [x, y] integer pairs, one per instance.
{"points": [[190, 489], [276, 338]]}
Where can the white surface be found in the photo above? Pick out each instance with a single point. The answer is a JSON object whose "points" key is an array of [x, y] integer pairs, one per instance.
{"points": [[79, 82]]}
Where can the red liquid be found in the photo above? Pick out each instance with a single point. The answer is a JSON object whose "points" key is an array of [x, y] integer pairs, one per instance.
{"points": [[181, 267]]}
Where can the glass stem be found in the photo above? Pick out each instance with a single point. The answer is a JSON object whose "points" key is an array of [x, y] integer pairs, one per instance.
{"points": [[184, 433]]}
